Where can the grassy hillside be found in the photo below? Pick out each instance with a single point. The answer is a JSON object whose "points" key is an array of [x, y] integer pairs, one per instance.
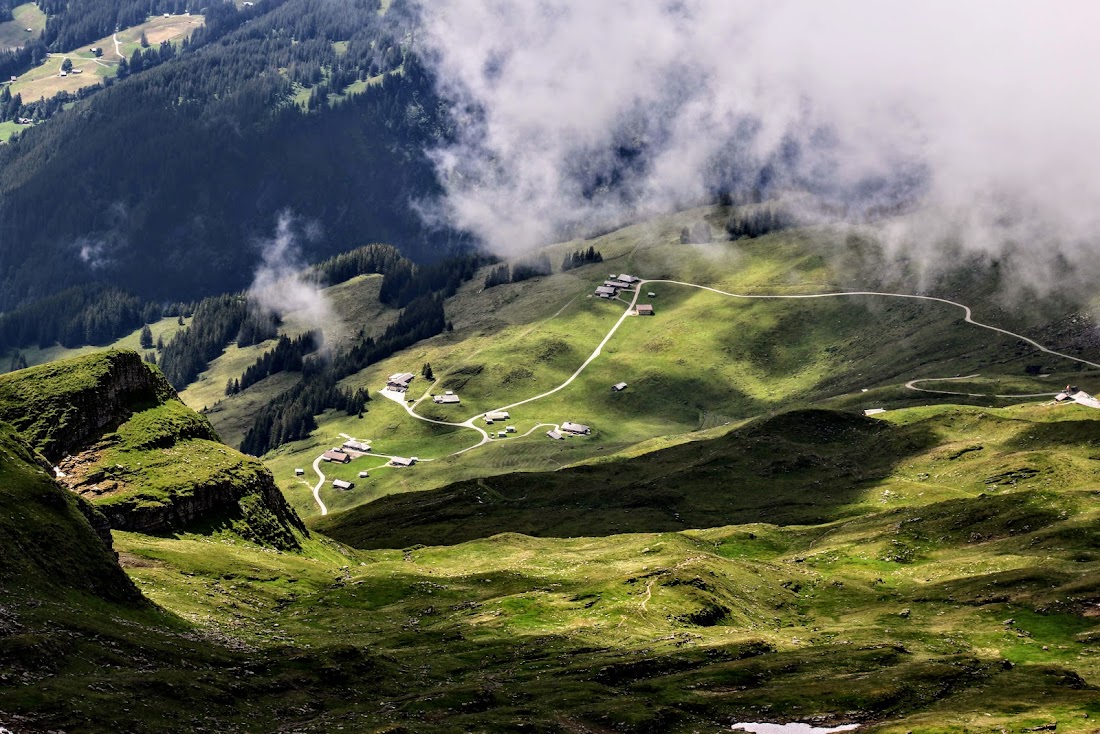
{"points": [[958, 604], [14, 33], [703, 361], [45, 80], [123, 440]]}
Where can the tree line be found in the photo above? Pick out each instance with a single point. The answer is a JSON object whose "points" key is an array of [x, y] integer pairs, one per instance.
{"points": [[581, 257], [82, 315], [218, 117], [288, 355], [533, 267], [291, 416]]}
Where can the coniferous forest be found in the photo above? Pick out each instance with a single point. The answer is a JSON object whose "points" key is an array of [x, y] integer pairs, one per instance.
{"points": [[200, 154]]}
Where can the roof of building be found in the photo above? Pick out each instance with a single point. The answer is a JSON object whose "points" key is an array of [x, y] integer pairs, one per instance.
{"points": [[575, 427], [555, 435], [618, 386], [446, 399], [874, 411], [356, 445], [645, 308], [335, 455], [402, 461], [341, 484], [497, 415], [402, 378], [363, 475], [605, 289], [628, 278]]}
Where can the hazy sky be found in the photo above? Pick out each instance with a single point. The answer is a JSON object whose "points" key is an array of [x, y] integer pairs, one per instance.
{"points": [[998, 103]]}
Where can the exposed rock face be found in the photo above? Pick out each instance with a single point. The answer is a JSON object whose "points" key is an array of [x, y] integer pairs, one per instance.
{"points": [[64, 406], [254, 507], [123, 441]]}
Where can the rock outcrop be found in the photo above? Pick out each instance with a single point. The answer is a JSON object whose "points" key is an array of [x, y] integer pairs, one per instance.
{"points": [[123, 440]]}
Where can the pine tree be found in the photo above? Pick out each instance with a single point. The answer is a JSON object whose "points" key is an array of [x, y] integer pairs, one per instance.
{"points": [[146, 337], [426, 371]]}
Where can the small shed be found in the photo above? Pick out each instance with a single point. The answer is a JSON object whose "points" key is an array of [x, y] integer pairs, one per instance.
{"points": [[363, 475], [555, 435], [651, 294], [619, 386], [341, 484], [874, 411], [502, 434], [511, 429], [299, 472], [645, 309]]}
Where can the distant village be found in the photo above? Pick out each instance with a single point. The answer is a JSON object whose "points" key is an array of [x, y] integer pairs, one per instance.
{"points": [[398, 385], [616, 284]]}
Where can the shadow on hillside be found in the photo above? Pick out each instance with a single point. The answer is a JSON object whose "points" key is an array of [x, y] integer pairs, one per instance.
{"points": [[802, 467]]}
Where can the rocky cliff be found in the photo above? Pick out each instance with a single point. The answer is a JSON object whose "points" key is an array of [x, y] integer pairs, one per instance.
{"points": [[122, 439]]}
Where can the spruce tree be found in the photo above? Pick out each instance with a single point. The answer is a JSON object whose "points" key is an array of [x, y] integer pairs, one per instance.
{"points": [[146, 337]]}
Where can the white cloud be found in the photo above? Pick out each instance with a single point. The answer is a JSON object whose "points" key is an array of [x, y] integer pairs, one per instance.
{"points": [[278, 285], [991, 108]]}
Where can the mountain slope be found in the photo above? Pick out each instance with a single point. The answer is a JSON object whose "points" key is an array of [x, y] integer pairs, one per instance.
{"points": [[123, 439]]}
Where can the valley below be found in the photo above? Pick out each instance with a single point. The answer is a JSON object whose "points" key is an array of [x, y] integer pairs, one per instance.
{"points": [[732, 540]]}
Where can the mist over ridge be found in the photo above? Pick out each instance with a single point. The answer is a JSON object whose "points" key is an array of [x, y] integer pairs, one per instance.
{"points": [[981, 124]]}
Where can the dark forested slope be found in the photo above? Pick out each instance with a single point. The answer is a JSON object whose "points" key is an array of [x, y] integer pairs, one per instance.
{"points": [[163, 182]]}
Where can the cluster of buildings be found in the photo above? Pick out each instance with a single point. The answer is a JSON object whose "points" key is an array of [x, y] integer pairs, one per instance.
{"points": [[568, 428], [614, 284]]}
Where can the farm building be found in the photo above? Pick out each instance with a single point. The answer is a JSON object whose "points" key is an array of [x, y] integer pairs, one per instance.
{"points": [[605, 291], [402, 461], [511, 429], [578, 429], [497, 415], [336, 456], [874, 411], [645, 309], [555, 435], [400, 381], [363, 475], [619, 386], [448, 399], [341, 484], [356, 446], [502, 434], [628, 278], [299, 472], [651, 294]]}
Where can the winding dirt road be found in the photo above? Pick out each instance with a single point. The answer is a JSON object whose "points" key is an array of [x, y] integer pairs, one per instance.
{"points": [[401, 398]]}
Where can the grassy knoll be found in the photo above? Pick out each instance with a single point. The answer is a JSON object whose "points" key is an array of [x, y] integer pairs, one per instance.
{"points": [[13, 33], [801, 467]]}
